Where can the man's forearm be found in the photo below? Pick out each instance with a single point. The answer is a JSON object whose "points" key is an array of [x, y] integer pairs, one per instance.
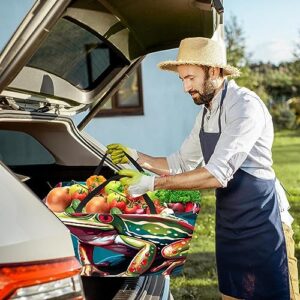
{"points": [[157, 165], [197, 179]]}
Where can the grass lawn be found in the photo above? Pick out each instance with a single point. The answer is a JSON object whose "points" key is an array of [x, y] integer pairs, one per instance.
{"points": [[199, 279]]}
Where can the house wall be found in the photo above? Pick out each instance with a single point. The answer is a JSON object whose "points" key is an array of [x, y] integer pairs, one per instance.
{"points": [[169, 113]]}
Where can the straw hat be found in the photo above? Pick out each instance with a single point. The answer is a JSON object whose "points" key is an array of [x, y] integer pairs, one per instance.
{"points": [[201, 52]]}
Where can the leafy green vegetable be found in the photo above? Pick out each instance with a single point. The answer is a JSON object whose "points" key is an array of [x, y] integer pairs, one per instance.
{"points": [[168, 196], [75, 203], [115, 210]]}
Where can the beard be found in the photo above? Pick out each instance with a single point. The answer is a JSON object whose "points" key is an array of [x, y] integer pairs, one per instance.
{"points": [[208, 93]]}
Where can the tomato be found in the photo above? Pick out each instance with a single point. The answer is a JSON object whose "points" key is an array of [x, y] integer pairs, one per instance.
{"points": [[58, 199], [121, 205], [117, 200], [131, 208], [112, 203], [78, 195], [158, 206], [189, 206], [97, 204], [158, 209]]}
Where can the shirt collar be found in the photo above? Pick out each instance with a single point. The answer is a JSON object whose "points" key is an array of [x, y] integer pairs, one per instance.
{"points": [[215, 102]]}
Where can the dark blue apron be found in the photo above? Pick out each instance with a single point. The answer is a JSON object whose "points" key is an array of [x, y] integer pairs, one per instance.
{"points": [[250, 247]]}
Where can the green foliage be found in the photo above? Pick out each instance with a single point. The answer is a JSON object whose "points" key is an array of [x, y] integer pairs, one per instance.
{"points": [[235, 43], [270, 82], [168, 196], [283, 117], [297, 49]]}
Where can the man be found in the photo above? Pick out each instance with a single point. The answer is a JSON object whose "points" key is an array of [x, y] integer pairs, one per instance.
{"points": [[233, 136]]}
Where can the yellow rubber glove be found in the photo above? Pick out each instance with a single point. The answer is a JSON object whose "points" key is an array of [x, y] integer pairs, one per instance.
{"points": [[138, 183], [116, 152]]}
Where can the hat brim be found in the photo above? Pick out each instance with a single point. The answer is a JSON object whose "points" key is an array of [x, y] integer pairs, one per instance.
{"points": [[172, 66]]}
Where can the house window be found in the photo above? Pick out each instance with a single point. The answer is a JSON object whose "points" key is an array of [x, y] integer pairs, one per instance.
{"points": [[128, 100]]}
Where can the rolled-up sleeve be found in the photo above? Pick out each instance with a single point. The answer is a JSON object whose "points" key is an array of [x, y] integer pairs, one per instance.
{"points": [[189, 156], [245, 121]]}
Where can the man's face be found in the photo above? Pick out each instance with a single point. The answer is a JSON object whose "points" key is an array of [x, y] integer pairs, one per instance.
{"points": [[197, 83]]}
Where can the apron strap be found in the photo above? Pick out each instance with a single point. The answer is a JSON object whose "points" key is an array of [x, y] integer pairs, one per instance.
{"points": [[224, 91]]}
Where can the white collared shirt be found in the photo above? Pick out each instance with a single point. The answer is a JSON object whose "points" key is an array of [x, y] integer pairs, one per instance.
{"points": [[245, 142]]}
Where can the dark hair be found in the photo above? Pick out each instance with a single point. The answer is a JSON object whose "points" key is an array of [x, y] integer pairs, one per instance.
{"points": [[206, 72]]}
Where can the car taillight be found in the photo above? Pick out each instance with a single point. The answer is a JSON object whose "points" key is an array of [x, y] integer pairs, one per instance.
{"points": [[53, 279]]}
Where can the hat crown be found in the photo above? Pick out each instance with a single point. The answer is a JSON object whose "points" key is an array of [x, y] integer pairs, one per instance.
{"points": [[202, 51]]}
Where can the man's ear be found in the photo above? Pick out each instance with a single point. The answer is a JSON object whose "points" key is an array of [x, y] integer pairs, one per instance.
{"points": [[214, 72]]}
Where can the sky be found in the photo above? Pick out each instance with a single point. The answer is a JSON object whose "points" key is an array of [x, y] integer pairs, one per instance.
{"points": [[271, 27]]}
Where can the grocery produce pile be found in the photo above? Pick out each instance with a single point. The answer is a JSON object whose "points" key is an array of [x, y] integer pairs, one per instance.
{"points": [[115, 199]]}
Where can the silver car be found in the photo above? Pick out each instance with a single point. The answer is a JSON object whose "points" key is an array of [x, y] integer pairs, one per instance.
{"points": [[65, 58]]}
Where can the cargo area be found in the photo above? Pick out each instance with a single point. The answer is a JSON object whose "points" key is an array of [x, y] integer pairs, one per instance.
{"points": [[40, 178]]}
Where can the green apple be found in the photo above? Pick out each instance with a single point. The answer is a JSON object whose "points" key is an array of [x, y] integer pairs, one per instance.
{"points": [[113, 186], [77, 188], [115, 196]]}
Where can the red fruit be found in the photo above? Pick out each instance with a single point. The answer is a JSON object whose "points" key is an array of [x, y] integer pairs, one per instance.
{"points": [[79, 196], [121, 205], [130, 209], [189, 206], [178, 207]]}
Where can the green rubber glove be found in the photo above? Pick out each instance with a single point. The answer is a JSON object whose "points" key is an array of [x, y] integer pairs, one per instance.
{"points": [[138, 183], [116, 152]]}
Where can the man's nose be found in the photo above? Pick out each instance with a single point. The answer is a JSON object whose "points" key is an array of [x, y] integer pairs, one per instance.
{"points": [[186, 86]]}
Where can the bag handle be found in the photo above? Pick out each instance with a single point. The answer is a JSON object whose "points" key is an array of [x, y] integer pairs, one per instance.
{"points": [[96, 190], [100, 166]]}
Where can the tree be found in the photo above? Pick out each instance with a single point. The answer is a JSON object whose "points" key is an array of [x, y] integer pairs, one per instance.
{"points": [[296, 52], [235, 43], [237, 56]]}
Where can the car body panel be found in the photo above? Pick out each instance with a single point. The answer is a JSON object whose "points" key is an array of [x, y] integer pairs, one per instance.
{"points": [[26, 224]]}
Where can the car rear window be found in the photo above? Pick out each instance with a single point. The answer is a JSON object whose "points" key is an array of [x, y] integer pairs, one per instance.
{"points": [[18, 148], [77, 55]]}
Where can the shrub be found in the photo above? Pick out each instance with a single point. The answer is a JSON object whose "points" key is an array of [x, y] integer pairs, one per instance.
{"points": [[283, 117]]}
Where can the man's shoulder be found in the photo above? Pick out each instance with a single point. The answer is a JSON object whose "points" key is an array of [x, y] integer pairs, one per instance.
{"points": [[245, 99], [240, 94]]}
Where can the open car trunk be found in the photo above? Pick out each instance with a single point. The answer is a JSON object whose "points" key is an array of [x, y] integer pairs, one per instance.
{"points": [[105, 248]]}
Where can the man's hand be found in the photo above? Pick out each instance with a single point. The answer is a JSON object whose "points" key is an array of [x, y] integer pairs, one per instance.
{"points": [[138, 183], [116, 152]]}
